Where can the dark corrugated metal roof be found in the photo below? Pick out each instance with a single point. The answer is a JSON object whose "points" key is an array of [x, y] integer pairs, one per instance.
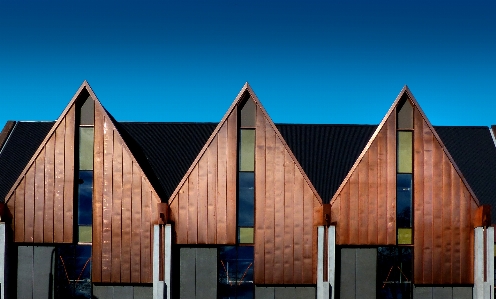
{"points": [[326, 152], [20, 146], [165, 151], [474, 153]]}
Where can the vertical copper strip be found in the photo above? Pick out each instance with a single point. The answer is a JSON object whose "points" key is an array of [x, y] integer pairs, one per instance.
{"points": [[391, 178], [108, 152], [49, 188], [193, 207], [418, 198], [465, 231], [39, 197], [298, 218], [447, 222], [317, 221], [354, 210], [29, 205], [174, 214], [146, 237], [335, 212], [428, 207], [363, 201], [136, 226], [117, 187], [456, 222], [279, 213], [127, 183], [270, 140], [69, 142], [96, 266], [344, 220], [309, 232], [19, 212], [202, 226], [221, 185], [259, 258], [382, 203], [212, 192], [288, 255], [58, 200], [11, 205], [231, 172], [373, 227], [437, 207], [182, 224]]}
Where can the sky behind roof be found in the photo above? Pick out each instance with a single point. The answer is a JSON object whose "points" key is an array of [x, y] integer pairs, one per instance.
{"points": [[308, 62]]}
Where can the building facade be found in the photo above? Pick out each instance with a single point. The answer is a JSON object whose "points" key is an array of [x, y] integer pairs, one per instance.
{"points": [[96, 208]]}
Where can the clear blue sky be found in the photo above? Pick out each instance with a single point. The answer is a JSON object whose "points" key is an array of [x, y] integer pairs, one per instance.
{"points": [[308, 62]]}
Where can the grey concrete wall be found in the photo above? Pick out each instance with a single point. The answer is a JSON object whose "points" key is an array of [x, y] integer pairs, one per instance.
{"points": [[33, 270], [442, 292], [198, 273], [358, 277], [289, 292], [122, 292]]}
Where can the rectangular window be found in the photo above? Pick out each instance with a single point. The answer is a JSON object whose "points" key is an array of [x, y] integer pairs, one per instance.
{"points": [[404, 200], [248, 114], [72, 271], [235, 277], [394, 272], [405, 116], [405, 151], [85, 209], [247, 150], [86, 148]]}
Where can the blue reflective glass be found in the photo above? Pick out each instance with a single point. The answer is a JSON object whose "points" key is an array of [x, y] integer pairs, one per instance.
{"points": [[394, 272], [85, 195], [404, 200], [73, 271], [235, 278], [246, 199]]}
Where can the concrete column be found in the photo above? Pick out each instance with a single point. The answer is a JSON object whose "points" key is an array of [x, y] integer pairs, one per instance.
{"points": [[490, 262], [331, 258], [479, 263], [156, 260], [3, 259], [320, 262], [167, 259]]}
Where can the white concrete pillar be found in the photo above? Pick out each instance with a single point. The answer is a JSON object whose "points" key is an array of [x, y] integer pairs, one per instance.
{"points": [[156, 260], [331, 258], [479, 244], [167, 259], [320, 262], [3, 259], [490, 259]]}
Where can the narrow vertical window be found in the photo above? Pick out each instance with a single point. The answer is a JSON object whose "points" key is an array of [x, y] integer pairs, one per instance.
{"points": [[404, 176], [85, 179]]}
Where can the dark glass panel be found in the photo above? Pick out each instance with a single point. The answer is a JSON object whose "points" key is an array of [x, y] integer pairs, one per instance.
{"points": [[87, 112], [72, 271], [404, 200], [235, 278], [247, 150], [246, 198], [248, 114], [86, 148], [405, 115], [405, 157], [394, 272], [85, 195]]}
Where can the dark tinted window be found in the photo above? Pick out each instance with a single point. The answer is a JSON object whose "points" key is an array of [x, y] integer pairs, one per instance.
{"points": [[394, 272], [235, 279]]}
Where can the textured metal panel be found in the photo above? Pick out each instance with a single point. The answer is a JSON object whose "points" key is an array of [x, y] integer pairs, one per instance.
{"points": [[123, 292], [462, 292], [187, 275], [422, 293], [305, 292], [41, 271], [206, 272], [366, 273], [103, 292], [142, 292], [284, 292], [442, 292], [348, 273], [25, 272], [264, 292]]}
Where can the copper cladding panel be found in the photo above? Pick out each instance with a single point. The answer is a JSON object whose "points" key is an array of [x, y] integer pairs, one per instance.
{"points": [[287, 213], [204, 209], [443, 212], [365, 208], [44, 193]]}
